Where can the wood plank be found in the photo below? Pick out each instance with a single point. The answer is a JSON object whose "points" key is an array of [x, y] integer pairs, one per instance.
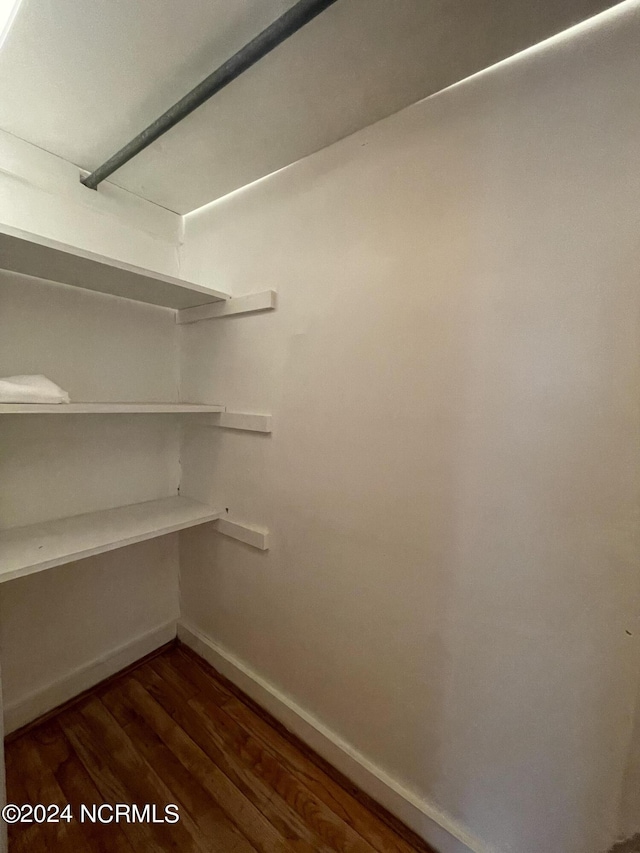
{"points": [[39, 257], [344, 805], [21, 837], [78, 789], [295, 832], [166, 724], [40, 786], [36, 547], [123, 776], [264, 301], [264, 763], [16, 778], [212, 822]]}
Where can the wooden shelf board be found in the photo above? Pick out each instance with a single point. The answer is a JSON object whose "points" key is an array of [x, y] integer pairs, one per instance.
{"points": [[36, 547], [38, 257], [106, 408]]}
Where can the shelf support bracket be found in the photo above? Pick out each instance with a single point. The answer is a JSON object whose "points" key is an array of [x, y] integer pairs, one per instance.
{"points": [[250, 304], [236, 420], [257, 537]]}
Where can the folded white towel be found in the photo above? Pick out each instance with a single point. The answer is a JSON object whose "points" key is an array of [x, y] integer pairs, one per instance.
{"points": [[31, 389]]}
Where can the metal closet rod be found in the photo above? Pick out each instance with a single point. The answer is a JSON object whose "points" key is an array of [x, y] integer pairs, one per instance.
{"points": [[277, 32]]}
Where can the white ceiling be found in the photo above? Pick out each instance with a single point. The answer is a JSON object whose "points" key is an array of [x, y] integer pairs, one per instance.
{"points": [[81, 78]]}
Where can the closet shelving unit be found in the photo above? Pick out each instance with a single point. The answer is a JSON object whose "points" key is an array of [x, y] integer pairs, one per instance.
{"points": [[36, 547]]}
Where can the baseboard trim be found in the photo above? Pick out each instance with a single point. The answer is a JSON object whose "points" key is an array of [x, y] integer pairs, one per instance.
{"points": [[35, 705], [427, 820]]}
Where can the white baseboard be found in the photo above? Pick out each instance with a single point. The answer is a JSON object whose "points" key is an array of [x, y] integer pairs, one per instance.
{"points": [[426, 819], [32, 706]]}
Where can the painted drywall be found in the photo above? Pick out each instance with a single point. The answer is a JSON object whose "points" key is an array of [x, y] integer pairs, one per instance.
{"points": [[452, 481], [61, 628], [61, 631]]}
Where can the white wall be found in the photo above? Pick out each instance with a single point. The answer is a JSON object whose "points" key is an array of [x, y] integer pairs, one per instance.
{"points": [[452, 481], [63, 630], [66, 629], [42, 193]]}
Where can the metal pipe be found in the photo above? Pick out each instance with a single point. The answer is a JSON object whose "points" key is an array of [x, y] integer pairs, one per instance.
{"points": [[277, 32]]}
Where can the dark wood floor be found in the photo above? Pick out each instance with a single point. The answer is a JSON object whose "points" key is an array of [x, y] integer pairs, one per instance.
{"points": [[172, 731]]}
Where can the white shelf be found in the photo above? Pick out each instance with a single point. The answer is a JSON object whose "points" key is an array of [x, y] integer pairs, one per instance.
{"points": [[38, 257], [25, 550], [105, 408]]}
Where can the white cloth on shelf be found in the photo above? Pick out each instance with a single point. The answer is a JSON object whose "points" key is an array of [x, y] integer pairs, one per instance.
{"points": [[31, 389]]}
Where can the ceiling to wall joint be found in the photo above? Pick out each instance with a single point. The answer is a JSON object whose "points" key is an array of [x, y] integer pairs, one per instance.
{"points": [[356, 63]]}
